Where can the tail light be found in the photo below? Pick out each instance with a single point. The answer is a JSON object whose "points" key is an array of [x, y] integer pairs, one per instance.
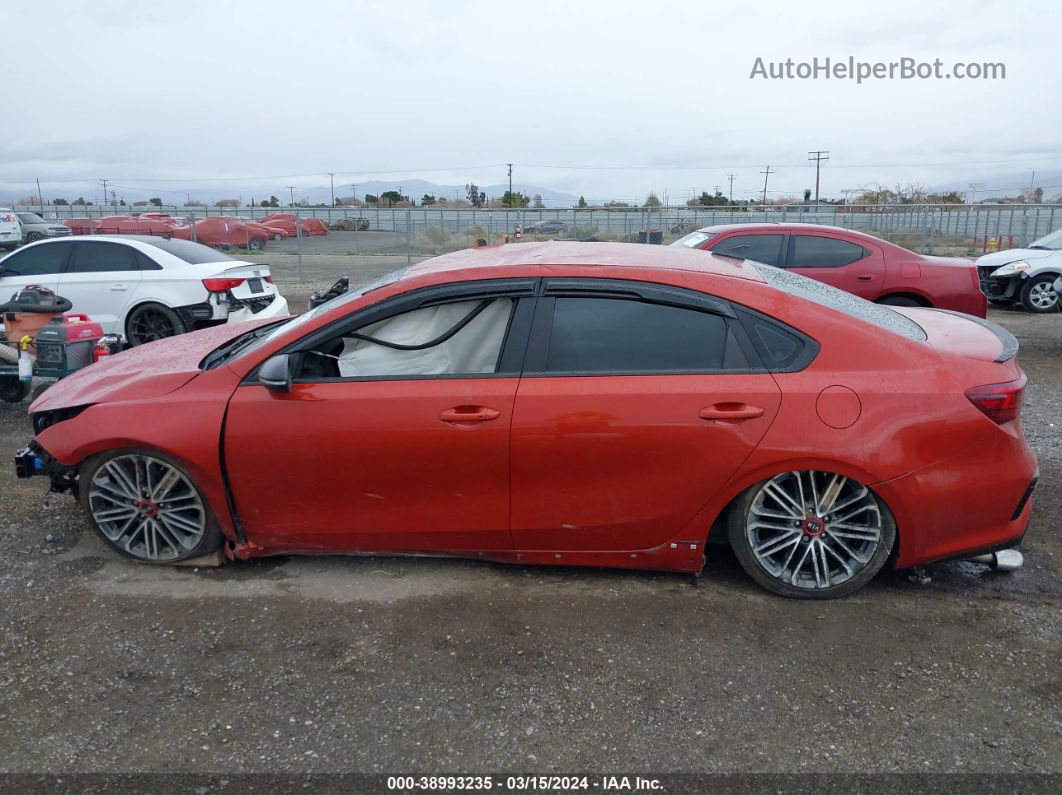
{"points": [[221, 285], [268, 279], [999, 402]]}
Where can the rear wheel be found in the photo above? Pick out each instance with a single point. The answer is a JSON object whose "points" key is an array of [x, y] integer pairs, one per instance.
{"points": [[898, 300], [33, 237], [150, 322], [1038, 294], [810, 534], [146, 507]]}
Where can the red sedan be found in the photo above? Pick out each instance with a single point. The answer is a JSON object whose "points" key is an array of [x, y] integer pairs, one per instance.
{"points": [[568, 403], [853, 261]]}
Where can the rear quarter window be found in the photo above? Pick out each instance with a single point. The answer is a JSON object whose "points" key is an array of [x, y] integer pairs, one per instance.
{"points": [[851, 305]]}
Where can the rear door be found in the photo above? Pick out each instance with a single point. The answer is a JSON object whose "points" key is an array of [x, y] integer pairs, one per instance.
{"points": [[845, 264], [638, 402], [100, 280]]}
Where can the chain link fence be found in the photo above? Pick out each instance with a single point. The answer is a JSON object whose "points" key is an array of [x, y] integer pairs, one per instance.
{"points": [[416, 232]]}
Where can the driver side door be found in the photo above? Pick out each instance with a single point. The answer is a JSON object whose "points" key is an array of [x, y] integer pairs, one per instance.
{"points": [[394, 435]]}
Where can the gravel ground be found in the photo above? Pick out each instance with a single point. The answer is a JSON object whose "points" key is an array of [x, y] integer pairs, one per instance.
{"points": [[418, 665]]}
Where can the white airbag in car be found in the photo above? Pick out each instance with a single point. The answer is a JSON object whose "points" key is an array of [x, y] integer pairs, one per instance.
{"points": [[473, 349]]}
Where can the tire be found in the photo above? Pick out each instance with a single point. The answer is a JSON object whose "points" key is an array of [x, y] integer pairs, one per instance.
{"points": [[150, 322], [1038, 294], [166, 523], [898, 300], [256, 244], [768, 534], [12, 390], [33, 237]]}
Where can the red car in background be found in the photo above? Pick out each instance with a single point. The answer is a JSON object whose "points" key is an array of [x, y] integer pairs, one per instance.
{"points": [[288, 222], [852, 261], [224, 232], [593, 404]]}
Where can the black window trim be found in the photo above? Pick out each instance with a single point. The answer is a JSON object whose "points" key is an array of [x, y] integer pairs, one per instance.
{"points": [[510, 357], [787, 251], [630, 290]]}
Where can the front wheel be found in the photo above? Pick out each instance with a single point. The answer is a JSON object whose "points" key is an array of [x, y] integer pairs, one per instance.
{"points": [[256, 244], [150, 322], [811, 534], [1038, 294], [12, 390], [147, 508], [33, 237]]}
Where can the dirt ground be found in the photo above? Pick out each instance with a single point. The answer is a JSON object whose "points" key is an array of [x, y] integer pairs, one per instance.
{"points": [[418, 665]]}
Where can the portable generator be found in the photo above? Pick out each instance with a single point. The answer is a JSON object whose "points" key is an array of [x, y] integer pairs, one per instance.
{"points": [[65, 344]]}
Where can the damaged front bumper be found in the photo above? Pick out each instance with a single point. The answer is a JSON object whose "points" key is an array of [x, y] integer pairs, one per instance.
{"points": [[32, 461], [999, 288]]}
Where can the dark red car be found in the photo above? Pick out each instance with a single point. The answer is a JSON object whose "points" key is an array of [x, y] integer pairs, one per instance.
{"points": [[592, 404], [852, 261]]}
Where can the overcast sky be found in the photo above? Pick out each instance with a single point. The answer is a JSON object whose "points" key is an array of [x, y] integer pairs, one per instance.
{"points": [[606, 99]]}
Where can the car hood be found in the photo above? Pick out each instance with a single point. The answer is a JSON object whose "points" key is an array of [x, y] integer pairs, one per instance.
{"points": [[999, 258], [147, 371]]}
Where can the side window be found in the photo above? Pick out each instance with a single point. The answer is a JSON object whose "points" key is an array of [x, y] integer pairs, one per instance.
{"points": [[36, 260], [812, 251], [605, 335], [460, 338], [101, 257], [145, 263], [762, 248]]}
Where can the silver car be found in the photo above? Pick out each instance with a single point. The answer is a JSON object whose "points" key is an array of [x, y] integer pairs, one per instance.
{"points": [[35, 228]]}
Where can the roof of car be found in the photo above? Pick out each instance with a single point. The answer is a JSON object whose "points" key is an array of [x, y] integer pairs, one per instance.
{"points": [[632, 255], [774, 226]]}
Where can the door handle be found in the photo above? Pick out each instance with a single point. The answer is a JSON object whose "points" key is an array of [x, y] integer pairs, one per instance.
{"points": [[730, 411], [118, 288], [865, 277], [469, 415]]}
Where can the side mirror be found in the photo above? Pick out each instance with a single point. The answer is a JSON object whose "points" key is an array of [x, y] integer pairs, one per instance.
{"points": [[275, 373]]}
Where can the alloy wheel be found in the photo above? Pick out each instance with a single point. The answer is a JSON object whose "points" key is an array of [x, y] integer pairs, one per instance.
{"points": [[813, 530], [149, 324], [1042, 295], [147, 507]]}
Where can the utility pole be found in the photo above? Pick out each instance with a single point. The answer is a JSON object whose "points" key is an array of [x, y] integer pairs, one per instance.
{"points": [[41, 198], [291, 189], [766, 174], [354, 190], [1028, 197], [510, 165], [332, 185], [104, 182], [731, 178], [818, 156]]}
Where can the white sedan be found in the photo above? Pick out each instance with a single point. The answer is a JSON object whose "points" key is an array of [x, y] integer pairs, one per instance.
{"points": [[145, 288]]}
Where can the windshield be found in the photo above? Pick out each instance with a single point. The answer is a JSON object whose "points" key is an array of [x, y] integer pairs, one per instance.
{"points": [[256, 338], [1052, 241], [694, 239], [849, 304], [192, 253]]}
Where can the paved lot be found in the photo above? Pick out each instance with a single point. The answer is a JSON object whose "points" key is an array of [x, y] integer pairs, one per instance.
{"points": [[393, 665]]}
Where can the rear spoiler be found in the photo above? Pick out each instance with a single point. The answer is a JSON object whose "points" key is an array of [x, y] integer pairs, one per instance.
{"points": [[1008, 340]]}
